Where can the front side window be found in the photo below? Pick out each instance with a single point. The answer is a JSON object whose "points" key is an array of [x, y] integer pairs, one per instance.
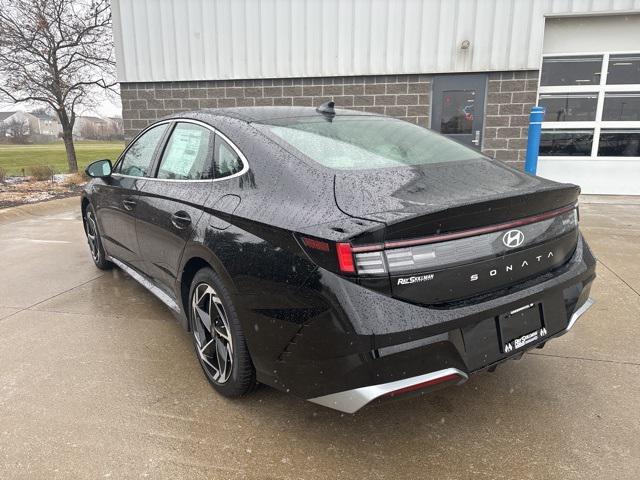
{"points": [[363, 142], [189, 154], [137, 161]]}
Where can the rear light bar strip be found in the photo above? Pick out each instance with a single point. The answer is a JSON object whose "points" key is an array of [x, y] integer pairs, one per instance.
{"points": [[463, 233]]}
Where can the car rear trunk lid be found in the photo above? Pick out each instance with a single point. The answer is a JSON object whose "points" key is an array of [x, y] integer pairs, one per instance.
{"points": [[431, 199], [448, 227]]}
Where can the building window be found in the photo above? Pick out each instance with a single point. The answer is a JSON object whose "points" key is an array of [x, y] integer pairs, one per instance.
{"points": [[624, 70], [621, 106], [571, 70], [570, 143], [592, 105], [457, 112], [619, 143], [569, 107]]}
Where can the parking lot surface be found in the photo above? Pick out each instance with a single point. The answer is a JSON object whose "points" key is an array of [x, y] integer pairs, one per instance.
{"points": [[97, 380]]}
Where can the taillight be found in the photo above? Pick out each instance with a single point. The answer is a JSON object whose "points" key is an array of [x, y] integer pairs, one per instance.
{"points": [[345, 258], [337, 257], [316, 244], [342, 257], [370, 263]]}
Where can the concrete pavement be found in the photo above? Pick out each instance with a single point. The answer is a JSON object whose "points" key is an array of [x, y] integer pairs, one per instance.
{"points": [[97, 380]]}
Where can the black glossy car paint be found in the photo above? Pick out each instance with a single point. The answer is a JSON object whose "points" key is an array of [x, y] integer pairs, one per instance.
{"points": [[311, 330]]}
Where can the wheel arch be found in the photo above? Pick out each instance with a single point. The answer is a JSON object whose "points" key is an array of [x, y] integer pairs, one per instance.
{"points": [[195, 258]]}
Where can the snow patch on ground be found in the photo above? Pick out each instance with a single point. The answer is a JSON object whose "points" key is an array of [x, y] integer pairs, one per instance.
{"points": [[20, 190]]}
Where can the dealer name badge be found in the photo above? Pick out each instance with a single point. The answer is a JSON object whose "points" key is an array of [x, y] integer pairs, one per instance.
{"points": [[525, 340]]}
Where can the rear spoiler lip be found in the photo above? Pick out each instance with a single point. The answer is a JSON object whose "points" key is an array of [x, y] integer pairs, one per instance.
{"points": [[463, 233]]}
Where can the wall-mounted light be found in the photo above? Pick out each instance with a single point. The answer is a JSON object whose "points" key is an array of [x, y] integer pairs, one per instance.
{"points": [[465, 45]]}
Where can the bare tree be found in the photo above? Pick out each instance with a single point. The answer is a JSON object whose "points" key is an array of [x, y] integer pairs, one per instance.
{"points": [[56, 52], [18, 131], [89, 131], [44, 110]]}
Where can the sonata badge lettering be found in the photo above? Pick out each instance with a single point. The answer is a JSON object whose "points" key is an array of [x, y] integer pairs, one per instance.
{"points": [[509, 268]]}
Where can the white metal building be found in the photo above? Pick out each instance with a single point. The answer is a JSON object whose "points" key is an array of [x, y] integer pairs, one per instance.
{"points": [[471, 69]]}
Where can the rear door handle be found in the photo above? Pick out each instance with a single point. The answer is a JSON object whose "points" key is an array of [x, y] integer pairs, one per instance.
{"points": [[181, 219], [128, 204]]}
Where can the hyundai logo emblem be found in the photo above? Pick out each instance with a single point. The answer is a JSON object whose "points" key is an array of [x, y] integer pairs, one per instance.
{"points": [[513, 238]]}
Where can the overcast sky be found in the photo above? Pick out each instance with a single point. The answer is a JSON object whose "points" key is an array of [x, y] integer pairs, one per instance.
{"points": [[107, 106]]}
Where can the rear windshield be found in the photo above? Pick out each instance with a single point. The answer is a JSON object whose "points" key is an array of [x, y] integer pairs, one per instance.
{"points": [[360, 142]]}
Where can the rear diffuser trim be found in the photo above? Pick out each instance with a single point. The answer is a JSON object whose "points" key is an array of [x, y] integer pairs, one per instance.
{"points": [[579, 312], [350, 401]]}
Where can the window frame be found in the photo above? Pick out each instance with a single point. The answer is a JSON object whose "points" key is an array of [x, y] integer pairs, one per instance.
{"points": [[152, 163], [163, 145], [601, 90]]}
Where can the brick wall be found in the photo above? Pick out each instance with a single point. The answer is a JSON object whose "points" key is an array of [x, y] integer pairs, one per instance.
{"points": [[402, 96], [509, 98]]}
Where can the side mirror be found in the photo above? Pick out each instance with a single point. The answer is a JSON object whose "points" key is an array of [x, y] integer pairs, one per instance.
{"points": [[99, 169]]}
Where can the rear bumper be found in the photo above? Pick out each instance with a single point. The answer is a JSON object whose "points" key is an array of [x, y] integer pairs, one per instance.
{"points": [[579, 311], [350, 401], [356, 345]]}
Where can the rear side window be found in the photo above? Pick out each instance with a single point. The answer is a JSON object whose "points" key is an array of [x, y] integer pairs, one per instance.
{"points": [[137, 161], [360, 142], [189, 154], [227, 161]]}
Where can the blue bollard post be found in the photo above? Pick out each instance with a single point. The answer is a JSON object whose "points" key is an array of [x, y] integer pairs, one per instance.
{"points": [[533, 140]]}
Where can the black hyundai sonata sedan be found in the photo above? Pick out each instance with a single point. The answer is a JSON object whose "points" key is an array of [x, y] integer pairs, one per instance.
{"points": [[338, 255]]}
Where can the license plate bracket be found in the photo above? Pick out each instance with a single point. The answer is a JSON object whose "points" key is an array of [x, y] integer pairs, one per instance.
{"points": [[521, 327]]}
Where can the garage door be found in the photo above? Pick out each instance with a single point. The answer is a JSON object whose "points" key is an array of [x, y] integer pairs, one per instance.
{"points": [[590, 88]]}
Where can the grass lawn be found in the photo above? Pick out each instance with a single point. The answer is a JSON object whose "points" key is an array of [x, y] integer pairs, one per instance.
{"points": [[13, 158]]}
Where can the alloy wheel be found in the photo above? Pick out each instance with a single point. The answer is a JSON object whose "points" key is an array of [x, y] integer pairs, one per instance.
{"points": [[92, 235], [212, 333]]}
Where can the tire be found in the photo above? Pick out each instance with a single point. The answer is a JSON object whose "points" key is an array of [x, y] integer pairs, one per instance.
{"points": [[93, 239], [234, 376]]}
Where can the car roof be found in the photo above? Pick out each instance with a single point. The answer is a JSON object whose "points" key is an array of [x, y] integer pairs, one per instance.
{"points": [[262, 114]]}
